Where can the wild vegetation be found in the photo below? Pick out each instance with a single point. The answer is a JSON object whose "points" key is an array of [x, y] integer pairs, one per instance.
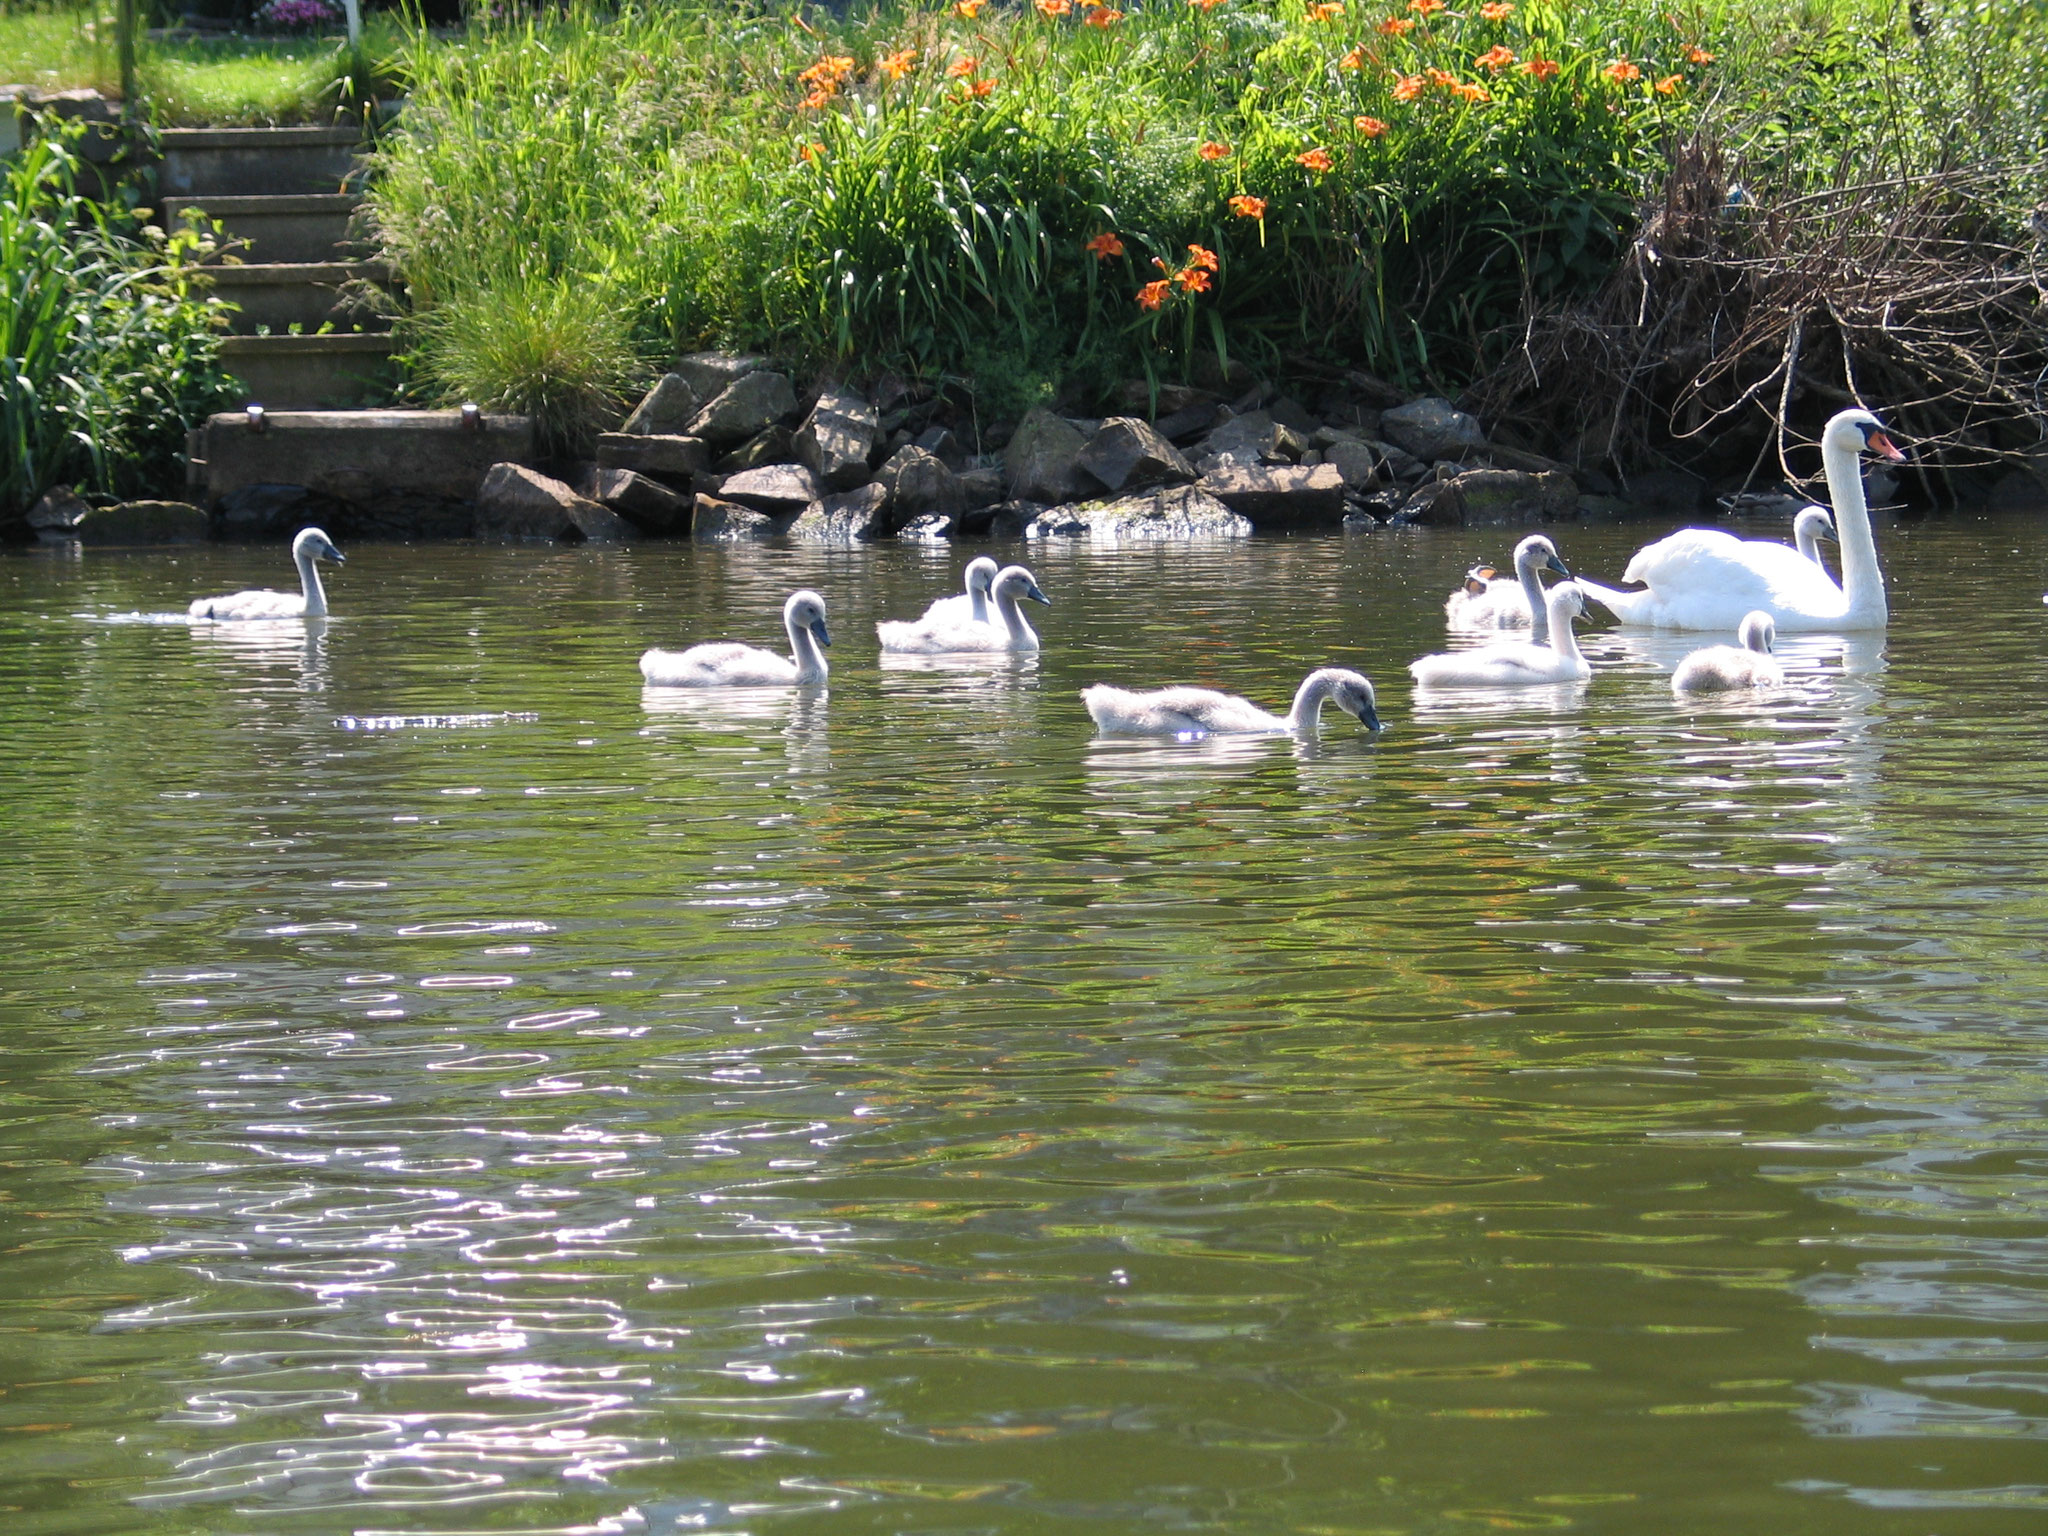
{"points": [[1046, 198]]}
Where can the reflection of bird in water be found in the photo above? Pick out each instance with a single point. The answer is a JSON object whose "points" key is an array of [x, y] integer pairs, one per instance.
{"points": [[728, 664], [309, 602], [1725, 668]]}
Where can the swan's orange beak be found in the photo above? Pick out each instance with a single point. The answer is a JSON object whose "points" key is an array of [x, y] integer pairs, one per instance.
{"points": [[1884, 447]]}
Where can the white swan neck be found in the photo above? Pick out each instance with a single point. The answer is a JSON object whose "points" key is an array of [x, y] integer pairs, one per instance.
{"points": [[1306, 715], [803, 650], [309, 584], [1862, 581], [1014, 621], [1562, 640], [1539, 612], [978, 599]]}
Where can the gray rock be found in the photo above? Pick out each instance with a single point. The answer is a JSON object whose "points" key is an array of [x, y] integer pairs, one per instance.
{"points": [[942, 445], [1669, 491], [273, 510], [711, 373], [1004, 520], [1492, 498], [648, 504], [1041, 462], [929, 529], [1290, 412], [1141, 398], [1182, 512], [774, 445], [58, 511], [1253, 438], [1401, 464], [1187, 423], [848, 517], [1280, 496], [1355, 461], [1360, 420], [981, 487], [919, 484], [1374, 390], [774, 488], [515, 502], [668, 456], [665, 409], [837, 437], [1504, 457], [142, 522], [751, 403], [727, 522], [1431, 428], [1128, 454]]}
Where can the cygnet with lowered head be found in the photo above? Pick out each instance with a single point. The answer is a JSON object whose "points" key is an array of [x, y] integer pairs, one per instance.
{"points": [[728, 664], [1487, 601], [1205, 712], [1727, 668], [953, 635], [1515, 665], [309, 602]]}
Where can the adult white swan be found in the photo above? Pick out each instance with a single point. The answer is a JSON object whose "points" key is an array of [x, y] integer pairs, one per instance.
{"points": [[1723, 668], [728, 664], [1515, 664], [972, 603], [1205, 712], [952, 634], [1487, 601], [309, 602], [1702, 578]]}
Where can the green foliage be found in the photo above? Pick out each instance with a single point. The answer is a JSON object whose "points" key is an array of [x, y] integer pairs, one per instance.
{"points": [[107, 338], [798, 183]]}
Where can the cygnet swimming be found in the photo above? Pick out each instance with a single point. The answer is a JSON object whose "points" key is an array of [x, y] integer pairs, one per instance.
{"points": [[728, 664], [972, 603], [309, 602], [951, 635], [1725, 668], [1205, 712], [1515, 665]]}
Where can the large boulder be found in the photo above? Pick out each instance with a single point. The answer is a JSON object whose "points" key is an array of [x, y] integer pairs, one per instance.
{"points": [[515, 502], [1182, 512], [1282, 495], [1187, 423], [1253, 438], [929, 529], [783, 489], [665, 456], [1042, 461], [665, 409], [1355, 461], [849, 517], [751, 403], [1128, 454], [727, 522], [982, 487], [142, 522], [1433, 429], [919, 484], [647, 504], [711, 373], [1493, 498], [771, 445], [837, 437]]}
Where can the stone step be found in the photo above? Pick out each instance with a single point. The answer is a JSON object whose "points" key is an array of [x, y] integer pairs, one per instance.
{"points": [[241, 162], [305, 227], [303, 372], [276, 295]]}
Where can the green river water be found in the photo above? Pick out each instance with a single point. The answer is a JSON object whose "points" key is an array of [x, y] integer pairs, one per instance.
{"points": [[895, 1110]]}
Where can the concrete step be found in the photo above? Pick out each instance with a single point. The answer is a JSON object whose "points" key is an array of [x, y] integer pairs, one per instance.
{"points": [[243, 162], [306, 227], [304, 372], [361, 457], [276, 295]]}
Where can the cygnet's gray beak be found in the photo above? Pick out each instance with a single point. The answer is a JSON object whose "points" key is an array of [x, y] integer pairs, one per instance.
{"points": [[1557, 565], [820, 634], [1037, 596], [1368, 716]]}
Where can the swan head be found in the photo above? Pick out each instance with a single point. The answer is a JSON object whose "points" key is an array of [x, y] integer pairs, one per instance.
{"points": [[1013, 582], [1567, 601], [806, 610], [981, 574], [1814, 523], [1353, 694], [312, 544], [1540, 553], [1859, 432], [1757, 632]]}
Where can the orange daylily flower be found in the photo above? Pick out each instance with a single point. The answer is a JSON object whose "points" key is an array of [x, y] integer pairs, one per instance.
{"points": [[1192, 279], [1496, 10], [1211, 150], [1355, 59], [1408, 88], [960, 69], [899, 64], [1440, 76], [1102, 17], [1204, 258], [1621, 72], [1475, 93], [1152, 295], [1425, 7], [1328, 10], [824, 78], [1542, 69], [1396, 26], [1496, 58], [967, 10], [1054, 7], [1245, 206], [810, 152], [1205, 5], [1104, 247], [983, 87], [1371, 127], [1669, 85], [1698, 55], [1315, 159]]}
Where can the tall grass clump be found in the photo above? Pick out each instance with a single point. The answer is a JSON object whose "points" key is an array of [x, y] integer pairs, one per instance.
{"points": [[1050, 197], [108, 339]]}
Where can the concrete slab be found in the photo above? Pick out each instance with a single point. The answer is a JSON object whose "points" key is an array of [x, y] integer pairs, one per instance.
{"points": [[358, 456]]}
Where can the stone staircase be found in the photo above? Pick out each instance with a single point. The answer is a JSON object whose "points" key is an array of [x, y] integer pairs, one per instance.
{"points": [[284, 194]]}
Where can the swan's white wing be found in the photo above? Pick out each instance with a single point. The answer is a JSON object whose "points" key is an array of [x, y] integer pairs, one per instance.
{"points": [[941, 638], [959, 608], [1174, 712], [1702, 578], [257, 603], [1220, 713], [1495, 666], [721, 664]]}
